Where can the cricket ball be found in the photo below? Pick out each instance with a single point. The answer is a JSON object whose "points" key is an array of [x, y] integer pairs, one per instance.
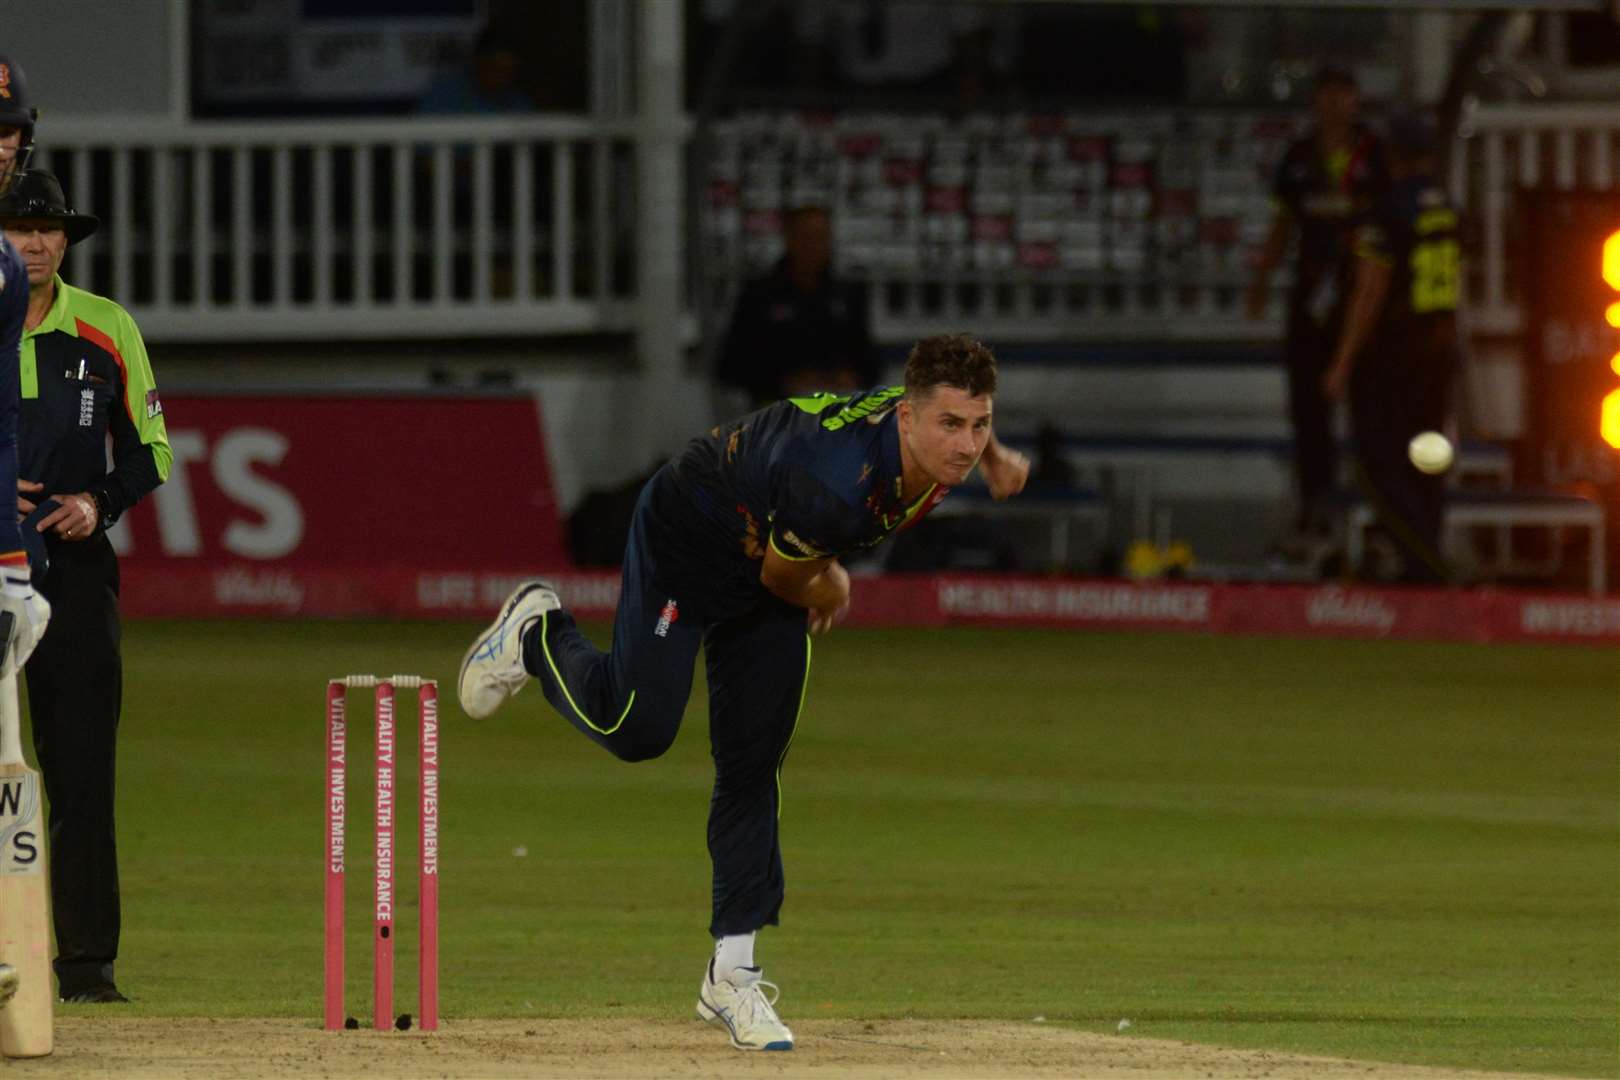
{"points": [[1430, 452]]}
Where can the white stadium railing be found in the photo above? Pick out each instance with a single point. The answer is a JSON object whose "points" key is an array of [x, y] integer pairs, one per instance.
{"points": [[1507, 149], [1082, 227], [458, 227]]}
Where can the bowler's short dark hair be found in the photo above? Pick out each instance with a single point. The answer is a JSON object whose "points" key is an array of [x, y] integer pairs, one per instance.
{"points": [[950, 360]]}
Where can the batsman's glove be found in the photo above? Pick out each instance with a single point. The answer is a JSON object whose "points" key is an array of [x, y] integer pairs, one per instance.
{"points": [[30, 614]]}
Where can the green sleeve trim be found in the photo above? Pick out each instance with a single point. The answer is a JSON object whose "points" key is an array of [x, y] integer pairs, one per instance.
{"points": [[552, 664], [140, 391], [792, 558]]}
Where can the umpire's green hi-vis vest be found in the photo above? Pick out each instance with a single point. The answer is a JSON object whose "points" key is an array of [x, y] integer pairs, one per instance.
{"points": [[85, 375]]}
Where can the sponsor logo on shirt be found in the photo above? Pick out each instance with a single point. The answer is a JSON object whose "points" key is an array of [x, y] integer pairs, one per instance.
{"points": [[671, 612], [794, 542], [154, 407], [87, 407]]}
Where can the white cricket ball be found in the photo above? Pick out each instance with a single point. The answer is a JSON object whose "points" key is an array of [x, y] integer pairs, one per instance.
{"points": [[1430, 451]]}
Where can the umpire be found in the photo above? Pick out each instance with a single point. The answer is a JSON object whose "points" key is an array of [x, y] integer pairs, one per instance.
{"points": [[85, 376], [1398, 355]]}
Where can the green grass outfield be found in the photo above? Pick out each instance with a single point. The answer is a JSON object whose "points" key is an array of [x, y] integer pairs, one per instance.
{"points": [[1393, 851]]}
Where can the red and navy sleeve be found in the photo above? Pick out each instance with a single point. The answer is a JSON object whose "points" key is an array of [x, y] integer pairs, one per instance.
{"points": [[13, 309]]}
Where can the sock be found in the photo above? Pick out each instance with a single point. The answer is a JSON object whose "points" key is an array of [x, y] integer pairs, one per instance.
{"points": [[732, 952]]}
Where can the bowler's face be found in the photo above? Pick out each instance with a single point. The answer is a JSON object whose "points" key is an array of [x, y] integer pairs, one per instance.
{"points": [[945, 432], [41, 243]]}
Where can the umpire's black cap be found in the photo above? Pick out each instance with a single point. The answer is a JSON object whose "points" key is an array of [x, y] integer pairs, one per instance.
{"points": [[36, 194]]}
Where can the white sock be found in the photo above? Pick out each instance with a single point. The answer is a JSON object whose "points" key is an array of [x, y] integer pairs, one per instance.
{"points": [[732, 952]]}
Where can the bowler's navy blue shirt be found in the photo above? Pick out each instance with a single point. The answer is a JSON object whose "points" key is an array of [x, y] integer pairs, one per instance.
{"points": [[813, 477]]}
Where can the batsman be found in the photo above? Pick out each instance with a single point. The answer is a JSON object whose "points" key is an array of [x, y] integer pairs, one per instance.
{"points": [[734, 546], [24, 1024]]}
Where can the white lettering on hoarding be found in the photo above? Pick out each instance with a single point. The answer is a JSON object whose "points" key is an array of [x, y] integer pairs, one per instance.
{"points": [[176, 509], [276, 525], [1337, 607], [281, 525], [258, 588], [1122, 603], [454, 591], [1582, 618]]}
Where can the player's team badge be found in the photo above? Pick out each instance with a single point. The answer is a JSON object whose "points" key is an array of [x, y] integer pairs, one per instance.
{"points": [[154, 407], [669, 614]]}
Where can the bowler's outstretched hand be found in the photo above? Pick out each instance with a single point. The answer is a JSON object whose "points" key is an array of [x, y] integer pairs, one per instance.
{"points": [[1005, 471]]}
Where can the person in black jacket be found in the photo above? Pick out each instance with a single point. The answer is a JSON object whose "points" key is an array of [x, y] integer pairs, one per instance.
{"points": [[85, 376], [797, 330]]}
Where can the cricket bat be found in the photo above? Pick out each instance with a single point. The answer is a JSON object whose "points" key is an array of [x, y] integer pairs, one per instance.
{"points": [[25, 919]]}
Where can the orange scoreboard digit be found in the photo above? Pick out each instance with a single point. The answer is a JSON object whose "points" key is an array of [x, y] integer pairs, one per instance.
{"points": [[1609, 412], [1570, 285]]}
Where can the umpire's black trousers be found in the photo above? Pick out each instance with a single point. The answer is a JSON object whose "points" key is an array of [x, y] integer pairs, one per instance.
{"points": [[75, 690], [631, 700], [1308, 353]]}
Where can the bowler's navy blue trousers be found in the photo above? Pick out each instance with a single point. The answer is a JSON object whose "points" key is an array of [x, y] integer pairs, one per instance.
{"points": [[630, 699]]}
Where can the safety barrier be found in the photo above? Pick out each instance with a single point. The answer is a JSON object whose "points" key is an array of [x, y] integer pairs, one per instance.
{"points": [[437, 227]]}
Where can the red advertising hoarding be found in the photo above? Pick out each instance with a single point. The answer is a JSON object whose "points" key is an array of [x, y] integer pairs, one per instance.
{"points": [[435, 507], [322, 505]]}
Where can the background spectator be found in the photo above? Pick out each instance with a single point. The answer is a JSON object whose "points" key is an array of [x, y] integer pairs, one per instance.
{"points": [[798, 330], [1326, 180], [487, 83]]}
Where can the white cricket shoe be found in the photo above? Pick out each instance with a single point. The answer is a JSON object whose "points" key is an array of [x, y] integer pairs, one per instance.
{"points": [[492, 670], [738, 1004], [9, 981]]}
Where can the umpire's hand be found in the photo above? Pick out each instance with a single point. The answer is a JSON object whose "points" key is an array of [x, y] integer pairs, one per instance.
{"points": [[74, 518]]}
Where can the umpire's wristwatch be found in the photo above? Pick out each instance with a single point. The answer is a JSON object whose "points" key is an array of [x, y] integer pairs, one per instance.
{"points": [[105, 515]]}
